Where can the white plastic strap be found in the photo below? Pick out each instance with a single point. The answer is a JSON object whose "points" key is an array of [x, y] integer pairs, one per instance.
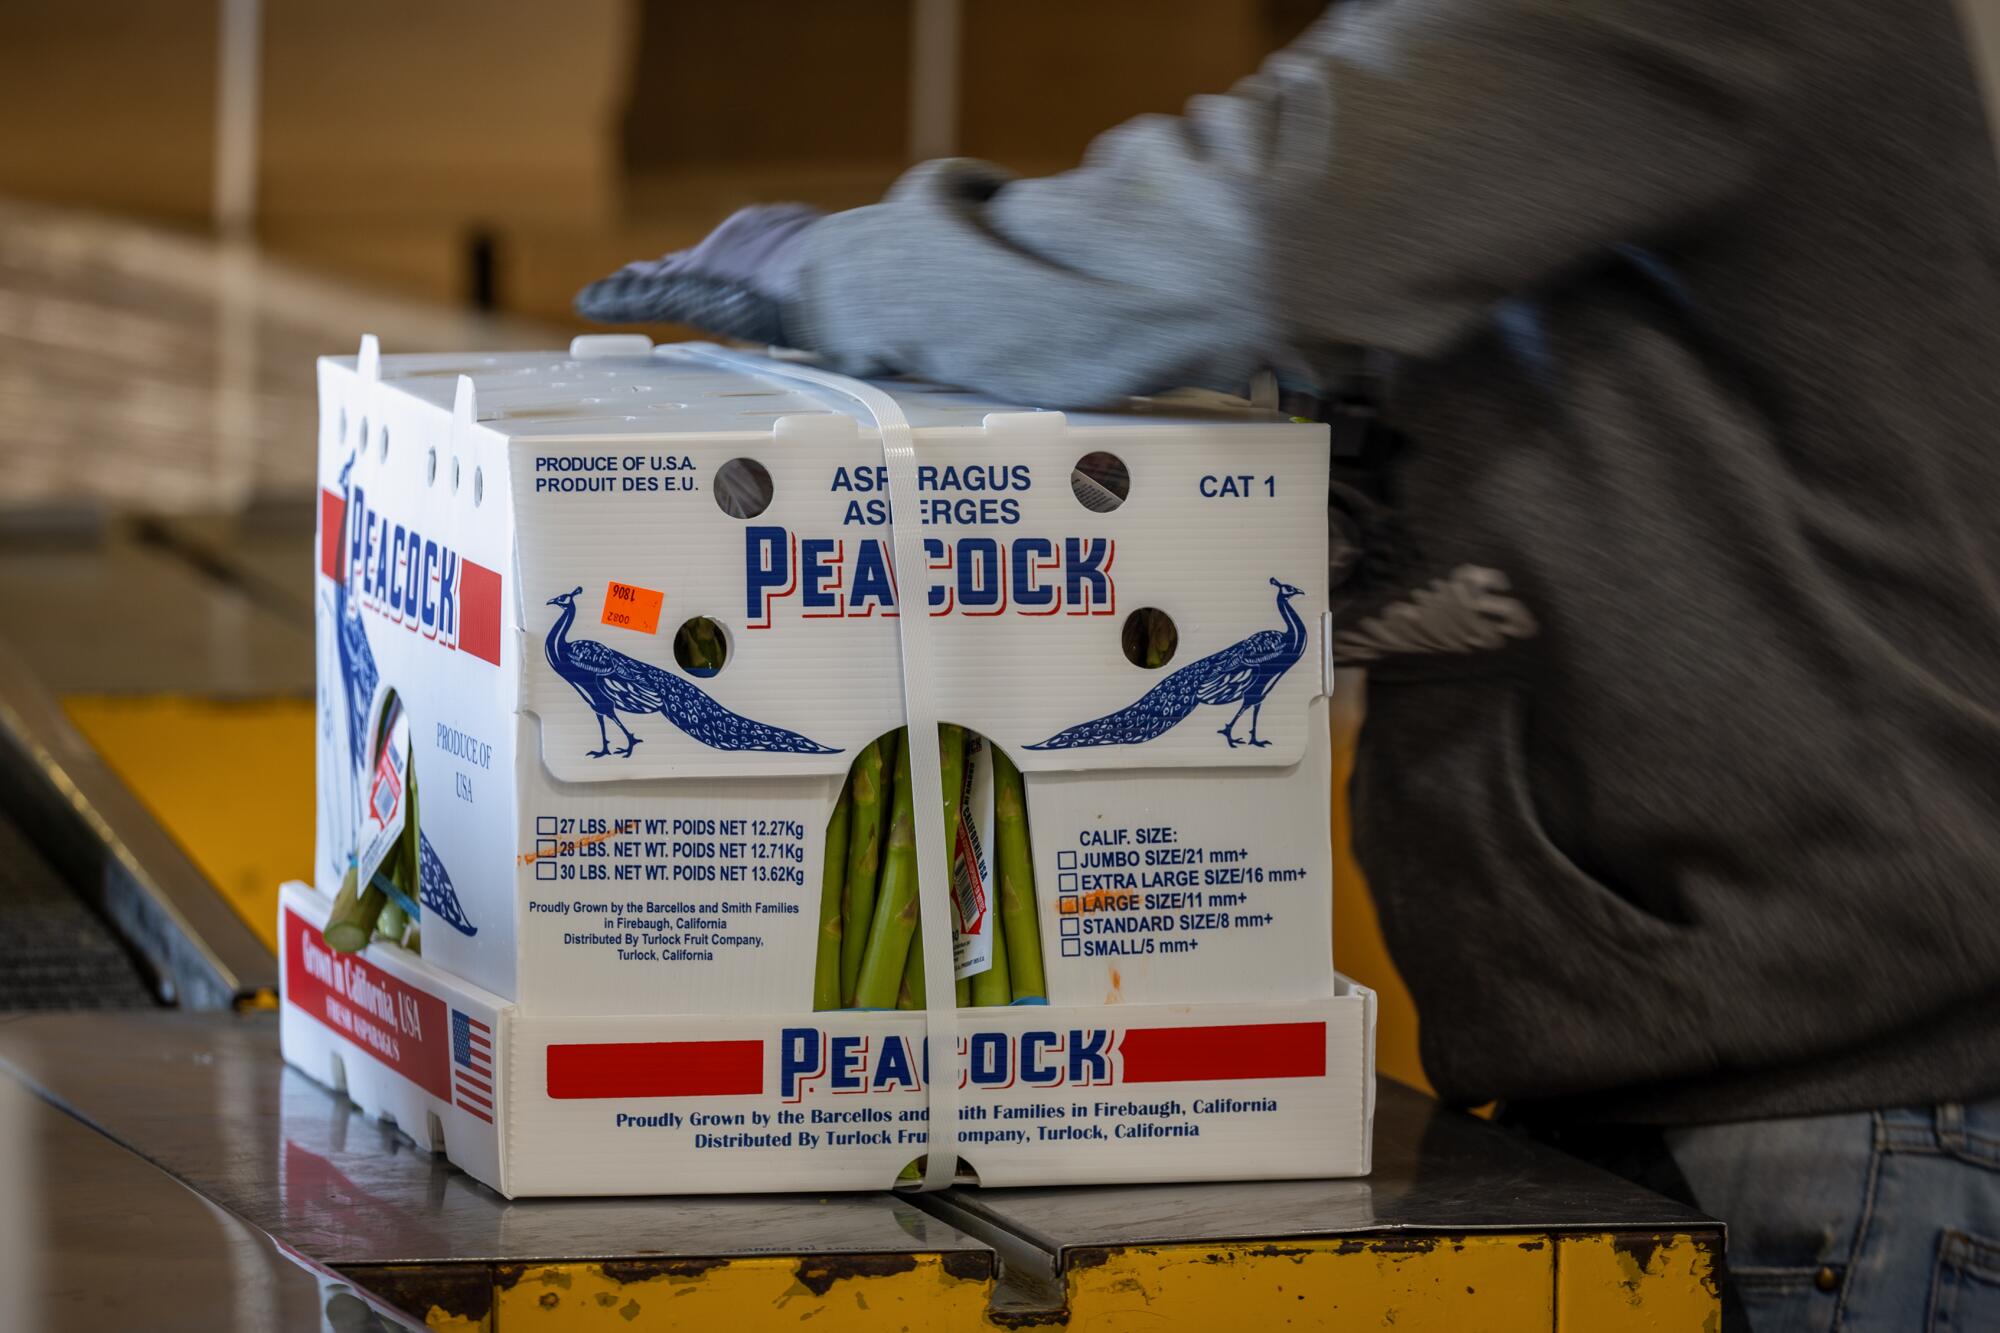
{"points": [[920, 709]]}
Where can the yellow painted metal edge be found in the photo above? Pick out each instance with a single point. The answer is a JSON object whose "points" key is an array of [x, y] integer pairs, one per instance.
{"points": [[1662, 1281], [1495, 1283], [1500, 1284], [827, 1294]]}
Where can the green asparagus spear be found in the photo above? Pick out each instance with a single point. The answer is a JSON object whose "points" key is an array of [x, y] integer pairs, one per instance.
{"points": [[951, 769], [833, 875], [911, 996], [356, 909], [951, 775], [895, 919], [412, 882], [698, 646], [1016, 881], [393, 923], [891, 744], [864, 852]]}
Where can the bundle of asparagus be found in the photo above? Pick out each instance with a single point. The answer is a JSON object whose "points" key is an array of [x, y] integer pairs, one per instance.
{"points": [[869, 914], [385, 907]]}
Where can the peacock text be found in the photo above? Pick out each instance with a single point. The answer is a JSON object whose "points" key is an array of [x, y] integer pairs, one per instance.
{"points": [[824, 578]]}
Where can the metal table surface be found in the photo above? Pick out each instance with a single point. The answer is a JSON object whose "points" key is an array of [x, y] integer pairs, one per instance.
{"points": [[1453, 1204], [95, 1237], [1435, 1171]]}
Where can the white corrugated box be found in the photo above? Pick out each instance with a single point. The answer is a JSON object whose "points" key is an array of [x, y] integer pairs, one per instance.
{"points": [[620, 908]]}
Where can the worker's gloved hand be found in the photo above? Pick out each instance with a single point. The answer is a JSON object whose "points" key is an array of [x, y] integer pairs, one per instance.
{"points": [[736, 282]]}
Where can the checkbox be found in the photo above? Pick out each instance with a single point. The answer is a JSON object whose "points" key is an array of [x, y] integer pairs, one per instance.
{"points": [[545, 870], [1066, 884], [545, 823], [545, 847], [1065, 860], [1071, 927], [1066, 905], [1072, 948]]}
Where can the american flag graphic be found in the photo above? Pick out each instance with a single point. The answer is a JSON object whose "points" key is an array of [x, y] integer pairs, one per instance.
{"points": [[472, 1066]]}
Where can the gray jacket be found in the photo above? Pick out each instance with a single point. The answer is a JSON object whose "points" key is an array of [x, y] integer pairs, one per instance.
{"points": [[1680, 788]]}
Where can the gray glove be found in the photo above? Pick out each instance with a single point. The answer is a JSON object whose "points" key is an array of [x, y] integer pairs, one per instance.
{"points": [[736, 282]]}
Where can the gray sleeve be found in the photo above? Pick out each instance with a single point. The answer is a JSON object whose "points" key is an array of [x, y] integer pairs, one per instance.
{"points": [[1380, 183]]}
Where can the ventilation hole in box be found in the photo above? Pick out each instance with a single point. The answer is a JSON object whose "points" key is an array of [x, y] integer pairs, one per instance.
{"points": [[743, 488], [336, 1073], [431, 466], [478, 487], [343, 423], [382, 439], [1149, 638], [911, 1177], [435, 1125], [700, 646], [454, 476], [750, 393], [1100, 482]]}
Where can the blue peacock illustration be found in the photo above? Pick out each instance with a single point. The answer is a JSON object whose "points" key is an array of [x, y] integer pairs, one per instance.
{"points": [[434, 889], [359, 677], [358, 674], [1243, 674], [612, 683]]}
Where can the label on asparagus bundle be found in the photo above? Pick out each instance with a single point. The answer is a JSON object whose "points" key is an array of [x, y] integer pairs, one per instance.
{"points": [[382, 821], [971, 870]]}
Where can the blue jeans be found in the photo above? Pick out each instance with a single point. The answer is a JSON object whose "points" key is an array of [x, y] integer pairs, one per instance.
{"points": [[1883, 1220]]}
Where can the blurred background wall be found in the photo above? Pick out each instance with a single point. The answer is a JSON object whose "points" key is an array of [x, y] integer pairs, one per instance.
{"points": [[513, 149], [510, 150]]}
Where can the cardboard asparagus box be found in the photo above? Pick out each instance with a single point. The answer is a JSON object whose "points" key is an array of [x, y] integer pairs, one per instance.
{"points": [[648, 730]]}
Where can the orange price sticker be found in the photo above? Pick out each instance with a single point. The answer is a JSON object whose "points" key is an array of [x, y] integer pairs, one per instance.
{"points": [[631, 607]]}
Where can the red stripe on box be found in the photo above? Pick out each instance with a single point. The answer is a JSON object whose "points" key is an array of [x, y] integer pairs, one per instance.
{"points": [[401, 1027], [656, 1069], [332, 532], [479, 611], [473, 1110], [465, 1094], [1238, 1051]]}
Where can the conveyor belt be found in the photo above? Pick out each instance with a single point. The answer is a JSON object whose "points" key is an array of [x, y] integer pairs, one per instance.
{"points": [[55, 953]]}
